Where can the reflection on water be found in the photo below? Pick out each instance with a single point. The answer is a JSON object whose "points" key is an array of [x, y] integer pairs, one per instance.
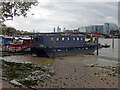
{"points": [[29, 59], [109, 52], [91, 59]]}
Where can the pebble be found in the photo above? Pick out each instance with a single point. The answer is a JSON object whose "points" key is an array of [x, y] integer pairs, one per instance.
{"points": [[57, 85], [41, 85], [75, 78], [95, 73], [60, 81], [65, 83], [107, 82], [66, 77]]}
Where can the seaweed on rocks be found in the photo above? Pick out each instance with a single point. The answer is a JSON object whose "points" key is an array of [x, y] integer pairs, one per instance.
{"points": [[26, 74]]}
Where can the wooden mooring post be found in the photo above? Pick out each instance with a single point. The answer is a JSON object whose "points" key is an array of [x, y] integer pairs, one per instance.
{"points": [[31, 46], [113, 42], [97, 46], [53, 46]]}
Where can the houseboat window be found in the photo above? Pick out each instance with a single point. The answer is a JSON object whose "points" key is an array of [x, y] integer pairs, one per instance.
{"points": [[73, 38], [81, 38], [59, 50], [63, 38], [78, 38], [68, 38], [57, 39], [51, 38]]}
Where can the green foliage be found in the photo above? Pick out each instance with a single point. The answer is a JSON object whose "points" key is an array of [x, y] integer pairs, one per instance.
{"points": [[10, 9], [10, 30]]}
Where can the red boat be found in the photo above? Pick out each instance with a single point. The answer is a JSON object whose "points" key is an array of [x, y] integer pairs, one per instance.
{"points": [[20, 45]]}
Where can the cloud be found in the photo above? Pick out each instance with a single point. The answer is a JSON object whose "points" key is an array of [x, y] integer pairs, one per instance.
{"points": [[48, 15]]}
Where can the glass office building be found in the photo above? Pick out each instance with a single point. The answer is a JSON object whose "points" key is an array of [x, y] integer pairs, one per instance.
{"points": [[106, 28], [95, 28]]}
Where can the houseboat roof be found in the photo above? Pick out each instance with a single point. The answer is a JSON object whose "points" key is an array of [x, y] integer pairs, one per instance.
{"points": [[61, 35]]}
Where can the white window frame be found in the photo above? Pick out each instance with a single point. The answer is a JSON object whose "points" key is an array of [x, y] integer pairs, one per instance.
{"points": [[81, 38], [51, 38], [68, 38], [57, 39], [63, 38], [78, 38], [73, 38]]}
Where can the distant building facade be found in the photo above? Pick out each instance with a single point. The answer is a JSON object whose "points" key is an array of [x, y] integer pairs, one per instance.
{"points": [[58, 29], [64, 29], [109, 28], [83, 29], [95, 28], [106, 28]]}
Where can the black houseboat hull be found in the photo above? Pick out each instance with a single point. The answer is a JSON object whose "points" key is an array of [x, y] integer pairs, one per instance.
{"points": [[63, 51]]}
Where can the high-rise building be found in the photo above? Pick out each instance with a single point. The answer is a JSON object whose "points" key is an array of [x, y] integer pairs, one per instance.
{"points": [[58, 29], [54, 30], [64, 29], [110, 27]]}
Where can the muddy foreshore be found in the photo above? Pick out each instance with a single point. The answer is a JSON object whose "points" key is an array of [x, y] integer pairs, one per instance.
{"points": [[75, 72]]}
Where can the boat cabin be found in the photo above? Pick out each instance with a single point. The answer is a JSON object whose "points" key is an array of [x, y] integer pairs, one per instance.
{"points": [[46, 41]]}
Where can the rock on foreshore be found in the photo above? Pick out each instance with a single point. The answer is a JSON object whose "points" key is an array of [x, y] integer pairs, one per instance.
{"points": [[26, 74]]}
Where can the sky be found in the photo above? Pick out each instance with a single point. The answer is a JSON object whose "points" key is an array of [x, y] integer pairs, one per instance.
{"points": [[69, 14]]}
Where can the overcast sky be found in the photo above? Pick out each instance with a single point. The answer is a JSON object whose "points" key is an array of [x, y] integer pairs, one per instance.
{"points": [[70, 15]]}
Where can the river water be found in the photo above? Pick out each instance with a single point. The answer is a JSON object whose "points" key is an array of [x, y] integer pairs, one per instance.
{"points": [[111, 51]]}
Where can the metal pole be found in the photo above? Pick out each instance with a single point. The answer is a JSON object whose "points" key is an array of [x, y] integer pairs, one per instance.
{"points": [[97, 46], [113, 42], [53, 46]]}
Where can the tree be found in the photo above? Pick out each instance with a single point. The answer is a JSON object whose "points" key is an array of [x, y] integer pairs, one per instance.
{"points": [[11, 9], [68, 31]]}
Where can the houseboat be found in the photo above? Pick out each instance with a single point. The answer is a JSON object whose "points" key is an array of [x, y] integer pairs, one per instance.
{"points": [[5, 42], [20, 44], [61, 45]]}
